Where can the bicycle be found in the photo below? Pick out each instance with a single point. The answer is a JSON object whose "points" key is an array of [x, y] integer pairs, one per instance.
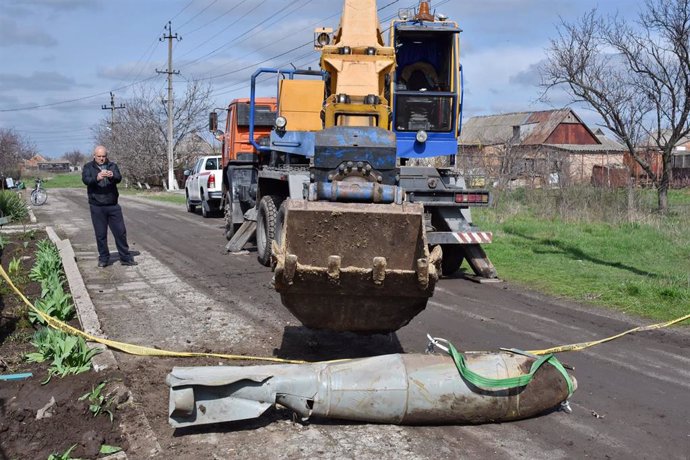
{"points": [[39, 195]]}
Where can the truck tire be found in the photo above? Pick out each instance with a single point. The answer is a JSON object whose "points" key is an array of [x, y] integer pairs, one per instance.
{"points": [[280, 222], [227, 212], [266, 227], [205, 209], [190, 207], [452, 259]]}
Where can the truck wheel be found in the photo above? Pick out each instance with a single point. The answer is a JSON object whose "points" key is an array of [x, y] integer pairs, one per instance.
{"points": [[266, 227], [452, 259], [280, 223], [190, 207], [205, 208], [227, 211]]}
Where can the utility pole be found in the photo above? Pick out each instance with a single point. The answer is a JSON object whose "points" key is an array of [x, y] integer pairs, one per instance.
{"points": [[112, 107], [168, 35]]}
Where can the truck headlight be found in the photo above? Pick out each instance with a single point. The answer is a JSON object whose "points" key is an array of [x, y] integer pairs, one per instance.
{"points": [[281, 123], [422, 136]]}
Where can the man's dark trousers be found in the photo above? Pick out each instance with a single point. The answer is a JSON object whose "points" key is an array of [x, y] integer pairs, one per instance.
{"points": [[110, 216]]}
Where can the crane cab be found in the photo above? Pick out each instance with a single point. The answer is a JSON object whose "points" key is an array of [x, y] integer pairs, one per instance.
{"points": [[425, 85]]}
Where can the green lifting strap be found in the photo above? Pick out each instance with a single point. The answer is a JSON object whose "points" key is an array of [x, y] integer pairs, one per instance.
{"points": [[486, 383]]}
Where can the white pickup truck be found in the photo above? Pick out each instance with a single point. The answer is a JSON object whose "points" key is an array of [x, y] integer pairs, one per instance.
{"points": [[204, 186]]}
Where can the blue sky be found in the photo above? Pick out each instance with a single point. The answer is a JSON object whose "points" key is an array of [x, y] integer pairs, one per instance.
{"points": [[65, 56]]}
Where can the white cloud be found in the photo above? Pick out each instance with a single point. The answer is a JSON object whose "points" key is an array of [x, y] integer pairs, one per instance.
{"points": [[493, 68], [62, 5], [38, 81], [12, 35]]}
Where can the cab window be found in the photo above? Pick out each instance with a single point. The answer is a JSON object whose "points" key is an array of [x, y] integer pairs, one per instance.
{"points": [[211, 164]]}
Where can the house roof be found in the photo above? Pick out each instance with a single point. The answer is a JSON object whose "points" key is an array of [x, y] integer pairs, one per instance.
{"points": [[533, 128], [649, 142], [606, 145], [35, 160]]}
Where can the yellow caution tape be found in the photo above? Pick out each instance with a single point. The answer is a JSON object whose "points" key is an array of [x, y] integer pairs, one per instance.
{"points": [[147, 351], [135, 349], [583, 345]]}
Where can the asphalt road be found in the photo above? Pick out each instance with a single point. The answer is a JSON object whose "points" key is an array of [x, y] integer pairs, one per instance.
{"points": [[633, 399]]}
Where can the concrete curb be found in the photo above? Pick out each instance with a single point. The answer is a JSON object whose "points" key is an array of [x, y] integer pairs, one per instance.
{"points": [[32, 216], [139, 434], [19, 228]]}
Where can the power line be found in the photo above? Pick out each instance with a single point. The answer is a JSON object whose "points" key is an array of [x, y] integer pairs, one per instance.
{"points": [[92, 96], [206, 24], [239, 86], [78, 99], [233, 40], [62, 131], [309, 43], [179, 12], [197, 15], [226, 27]]}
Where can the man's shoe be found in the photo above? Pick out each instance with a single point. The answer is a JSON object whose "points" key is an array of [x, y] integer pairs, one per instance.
{"points": [[102, 264], [129, 263]]}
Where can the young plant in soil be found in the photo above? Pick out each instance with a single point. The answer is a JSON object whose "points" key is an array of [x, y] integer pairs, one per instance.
{"points": [[47, 261], [99, 403], [63, 456], [69, 354], [54, 301]]}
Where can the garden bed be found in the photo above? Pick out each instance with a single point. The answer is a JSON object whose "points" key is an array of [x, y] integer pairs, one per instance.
{"points": [[39, 418]]}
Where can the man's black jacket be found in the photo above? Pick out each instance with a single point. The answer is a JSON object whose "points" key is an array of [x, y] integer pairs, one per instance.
{"points": [[101, 192]]}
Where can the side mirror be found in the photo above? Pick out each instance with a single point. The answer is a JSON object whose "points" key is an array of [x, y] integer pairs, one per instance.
{"points": [[213, 122], [187, 172]]}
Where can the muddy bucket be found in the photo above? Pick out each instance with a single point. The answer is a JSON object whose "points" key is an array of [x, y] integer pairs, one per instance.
{"points": [[353, 267]]}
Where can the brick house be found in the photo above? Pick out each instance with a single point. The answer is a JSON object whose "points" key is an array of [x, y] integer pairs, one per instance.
{"points": [[552, 147]]}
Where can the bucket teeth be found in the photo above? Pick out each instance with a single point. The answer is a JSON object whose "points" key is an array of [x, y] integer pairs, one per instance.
{"points": [[290, 268], [423, 273], [334, 267], [354, 267], [379, 272]]}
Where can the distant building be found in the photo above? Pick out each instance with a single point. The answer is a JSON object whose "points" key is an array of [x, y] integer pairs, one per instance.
{"points": [[32, 163], [552, 147], [652, 155], [54, 166]]}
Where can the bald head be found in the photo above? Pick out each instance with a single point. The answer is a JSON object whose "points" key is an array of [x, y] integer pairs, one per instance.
{"points": [[100, 154]]}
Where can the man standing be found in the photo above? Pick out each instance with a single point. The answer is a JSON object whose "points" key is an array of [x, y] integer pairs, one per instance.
{"points": [[101, 178]]}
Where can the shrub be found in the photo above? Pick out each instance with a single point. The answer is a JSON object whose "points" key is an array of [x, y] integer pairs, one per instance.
{"points": [[12, 205]]}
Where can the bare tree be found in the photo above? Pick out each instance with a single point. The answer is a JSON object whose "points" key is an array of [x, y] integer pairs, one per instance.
{"points": [[635, 75], [75, 157], [137, 139], [13, 148]]}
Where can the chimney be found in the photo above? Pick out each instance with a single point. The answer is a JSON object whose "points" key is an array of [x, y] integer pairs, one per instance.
{"points": [[516, 135]]}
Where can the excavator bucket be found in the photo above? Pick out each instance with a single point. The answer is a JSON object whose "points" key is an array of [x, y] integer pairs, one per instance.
{"points": [[354, 267]]}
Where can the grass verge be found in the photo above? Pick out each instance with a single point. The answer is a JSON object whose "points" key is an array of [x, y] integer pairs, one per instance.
{"points": [[73, 180], [165, 197], [66, 180], [588, 245]]}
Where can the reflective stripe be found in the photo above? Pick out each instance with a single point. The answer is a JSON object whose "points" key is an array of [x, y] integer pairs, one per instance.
{"points": [[474, 237]]}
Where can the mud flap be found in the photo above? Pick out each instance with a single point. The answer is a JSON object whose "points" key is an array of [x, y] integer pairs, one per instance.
{"points": [[354, 267]]}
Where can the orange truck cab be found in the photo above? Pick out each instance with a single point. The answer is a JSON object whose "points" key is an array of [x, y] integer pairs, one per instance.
{"points": [[239, 157]]}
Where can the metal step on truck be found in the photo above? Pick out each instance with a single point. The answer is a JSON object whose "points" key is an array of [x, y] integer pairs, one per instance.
{"points": [[336, 188]]}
